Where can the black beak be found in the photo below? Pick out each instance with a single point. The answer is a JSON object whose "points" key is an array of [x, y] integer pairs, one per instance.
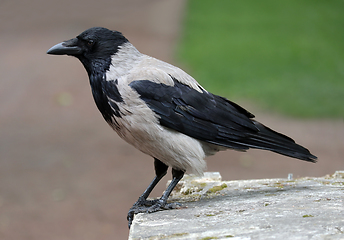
{"points": [[69, 47]]}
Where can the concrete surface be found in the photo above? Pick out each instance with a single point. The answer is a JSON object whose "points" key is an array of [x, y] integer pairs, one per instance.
{"points": [[303, 208]]}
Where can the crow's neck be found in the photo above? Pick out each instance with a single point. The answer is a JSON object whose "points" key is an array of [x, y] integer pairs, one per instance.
{"points": [[126, 58]]}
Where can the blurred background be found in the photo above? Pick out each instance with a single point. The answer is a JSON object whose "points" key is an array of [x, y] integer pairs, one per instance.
{"points": [[64, 174]]}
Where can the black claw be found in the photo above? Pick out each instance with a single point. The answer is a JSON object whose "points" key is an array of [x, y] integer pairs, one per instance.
{"points": [[149, 206], [130, 219]]}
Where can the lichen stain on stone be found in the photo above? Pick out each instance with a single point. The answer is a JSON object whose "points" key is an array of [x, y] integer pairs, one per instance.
{"points": [[217, 188]]}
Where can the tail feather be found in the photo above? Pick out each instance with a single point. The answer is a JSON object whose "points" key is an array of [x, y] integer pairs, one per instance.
{"points": [[271, 140]]}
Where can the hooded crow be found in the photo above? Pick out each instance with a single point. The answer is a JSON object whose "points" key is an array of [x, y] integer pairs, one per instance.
{"points": [[164, 112]]}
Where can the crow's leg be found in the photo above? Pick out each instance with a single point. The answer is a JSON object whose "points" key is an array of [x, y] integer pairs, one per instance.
{"points": [[149, 206], [142, 203], [160, 172], [161, 204]]}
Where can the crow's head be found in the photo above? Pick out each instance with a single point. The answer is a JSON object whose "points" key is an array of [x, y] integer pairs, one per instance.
{"points": [[93, 47]]}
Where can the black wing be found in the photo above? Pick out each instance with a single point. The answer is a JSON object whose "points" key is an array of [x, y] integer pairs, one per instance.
{"points": [[213, 119]]}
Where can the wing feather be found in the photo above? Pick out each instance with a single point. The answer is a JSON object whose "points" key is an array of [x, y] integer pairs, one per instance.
{"points": [[213, 119]]}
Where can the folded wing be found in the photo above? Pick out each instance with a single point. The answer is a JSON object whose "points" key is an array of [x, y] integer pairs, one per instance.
{"points": [[213, 119]]}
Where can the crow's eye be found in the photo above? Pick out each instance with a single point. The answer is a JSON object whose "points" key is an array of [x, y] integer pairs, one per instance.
{"points": [[90, 43]]}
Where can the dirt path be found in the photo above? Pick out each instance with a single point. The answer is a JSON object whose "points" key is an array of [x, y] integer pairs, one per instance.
{"points": [[63, 173]]}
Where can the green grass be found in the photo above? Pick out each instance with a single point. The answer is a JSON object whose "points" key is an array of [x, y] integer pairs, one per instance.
{"points": [[286, 56]]}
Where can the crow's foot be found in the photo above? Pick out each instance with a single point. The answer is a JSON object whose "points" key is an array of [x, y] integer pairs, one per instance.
{"points": [[149, 206]]}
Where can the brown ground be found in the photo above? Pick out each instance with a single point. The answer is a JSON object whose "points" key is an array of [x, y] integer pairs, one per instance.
{"points": [[63, 173]]}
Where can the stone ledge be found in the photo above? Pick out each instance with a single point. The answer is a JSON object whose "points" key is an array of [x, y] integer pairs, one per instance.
{"points": [[304, 208]]}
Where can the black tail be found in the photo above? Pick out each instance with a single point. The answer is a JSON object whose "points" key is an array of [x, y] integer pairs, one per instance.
{"points": [[271, 140]]}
